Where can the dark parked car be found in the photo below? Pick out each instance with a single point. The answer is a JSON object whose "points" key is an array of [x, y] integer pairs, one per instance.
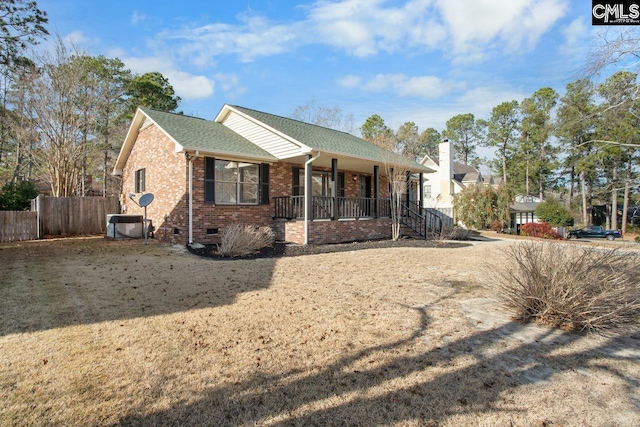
{"points": [[596, 232]]}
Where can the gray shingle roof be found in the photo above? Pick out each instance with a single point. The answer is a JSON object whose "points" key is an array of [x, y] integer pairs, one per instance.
{"points": [[324, 139], [205, 135], [523, 207]]}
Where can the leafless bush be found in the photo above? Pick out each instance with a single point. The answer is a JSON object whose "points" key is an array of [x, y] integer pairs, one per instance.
{"points": [[457, 233], [571, 288], [241, 240]]}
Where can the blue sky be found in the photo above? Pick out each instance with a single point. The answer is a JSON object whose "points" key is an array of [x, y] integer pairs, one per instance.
{"points": [[422, 60]]}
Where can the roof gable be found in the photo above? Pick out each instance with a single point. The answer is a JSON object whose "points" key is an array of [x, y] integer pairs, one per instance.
{"points": [[323, 139], [430, 161], [193, 133], [190, 134]]}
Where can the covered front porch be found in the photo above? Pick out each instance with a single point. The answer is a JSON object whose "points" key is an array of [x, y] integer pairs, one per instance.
{"points": [[340, 189]]}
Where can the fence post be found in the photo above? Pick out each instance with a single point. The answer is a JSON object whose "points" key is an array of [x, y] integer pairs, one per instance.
{"points": [[38, 209]]}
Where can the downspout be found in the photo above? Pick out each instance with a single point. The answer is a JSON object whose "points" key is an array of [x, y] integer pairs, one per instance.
{"points": [[191, 159], [307, 192]]}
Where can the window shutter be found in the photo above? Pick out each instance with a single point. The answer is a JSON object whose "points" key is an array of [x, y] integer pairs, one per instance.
{"points": [[264, 183], [340, 184], [209, 181], [295, 185]]}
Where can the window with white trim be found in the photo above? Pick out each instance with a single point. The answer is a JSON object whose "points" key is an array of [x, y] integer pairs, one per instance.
{"points": [[139, 181], [427, 191], [229, 182]]}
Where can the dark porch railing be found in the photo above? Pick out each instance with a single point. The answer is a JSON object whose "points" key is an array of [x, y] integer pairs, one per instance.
{"points": [[323, 207], [420, 220], [425, 222]]}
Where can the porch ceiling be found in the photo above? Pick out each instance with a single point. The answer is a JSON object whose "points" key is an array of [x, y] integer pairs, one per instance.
{"points": [[348, 164]]}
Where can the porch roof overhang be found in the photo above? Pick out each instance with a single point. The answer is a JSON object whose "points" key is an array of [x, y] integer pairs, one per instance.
{"points": [[355, 164]]}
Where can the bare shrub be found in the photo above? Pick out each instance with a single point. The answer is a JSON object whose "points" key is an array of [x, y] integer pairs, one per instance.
{"points": [[241, 240], [572, 288], [457, 233]]}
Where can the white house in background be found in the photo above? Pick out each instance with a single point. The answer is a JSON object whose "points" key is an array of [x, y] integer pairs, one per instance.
{"points": [[523, 211], [448, 179]]}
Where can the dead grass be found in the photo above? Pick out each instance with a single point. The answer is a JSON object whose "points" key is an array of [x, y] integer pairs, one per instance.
{"points": [[95, 332]]}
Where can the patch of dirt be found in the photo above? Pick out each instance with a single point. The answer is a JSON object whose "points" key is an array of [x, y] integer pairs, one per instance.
{"points": [[282, 249]]}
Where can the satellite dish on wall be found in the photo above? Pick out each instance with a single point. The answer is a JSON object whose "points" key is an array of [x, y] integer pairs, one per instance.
{"points": [[145, 200]]}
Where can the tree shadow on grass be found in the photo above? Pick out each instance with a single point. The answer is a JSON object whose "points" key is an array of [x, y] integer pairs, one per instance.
{"points": [[358, 390], [52, 284]]}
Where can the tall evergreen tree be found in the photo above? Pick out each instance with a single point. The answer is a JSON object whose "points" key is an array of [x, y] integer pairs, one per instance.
{"points": [[21, 24], [502, 131], [618, 135], [465, 132], [151, 90], [429, 140], [575, 128], [537, 127], [375, 128]]}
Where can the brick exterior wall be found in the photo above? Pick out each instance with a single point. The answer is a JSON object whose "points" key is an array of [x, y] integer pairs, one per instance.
{"points": [[167, 175], [323, 232]]}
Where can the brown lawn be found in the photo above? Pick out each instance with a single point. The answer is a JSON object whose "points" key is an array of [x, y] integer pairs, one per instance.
{"points": [[95, 332]]}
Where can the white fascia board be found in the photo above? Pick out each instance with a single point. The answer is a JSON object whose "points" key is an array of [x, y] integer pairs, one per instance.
{"points": [[423, 169], [129, 140], [426, 159], [228, 155], [132, 135]]}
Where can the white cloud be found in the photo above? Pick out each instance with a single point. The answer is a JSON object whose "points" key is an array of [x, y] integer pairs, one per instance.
{"points": [[493, 23], [253, 39], [80, 40], [137, 17], [423, 87], [574, 33], [189, 86], [364, 28], [230, 84], [76, 37], [186, 85], [349, 81], [481, 100]]}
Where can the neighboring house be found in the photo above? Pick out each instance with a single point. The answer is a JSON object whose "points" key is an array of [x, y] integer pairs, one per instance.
{"points": [[523, 211], [251, 167], [448, 179]]}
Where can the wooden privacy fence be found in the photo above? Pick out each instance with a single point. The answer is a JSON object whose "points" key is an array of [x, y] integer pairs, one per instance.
{"points": [[18, 225], [72, 216]]}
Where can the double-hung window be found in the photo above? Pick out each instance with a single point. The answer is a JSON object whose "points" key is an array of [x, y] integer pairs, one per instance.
{"points": [[139, 181], [320, 183], [427, 191], [230, 182]]}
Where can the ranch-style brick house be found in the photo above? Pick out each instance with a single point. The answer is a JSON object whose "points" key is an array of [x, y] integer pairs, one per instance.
{"points": [[251, 167]]}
